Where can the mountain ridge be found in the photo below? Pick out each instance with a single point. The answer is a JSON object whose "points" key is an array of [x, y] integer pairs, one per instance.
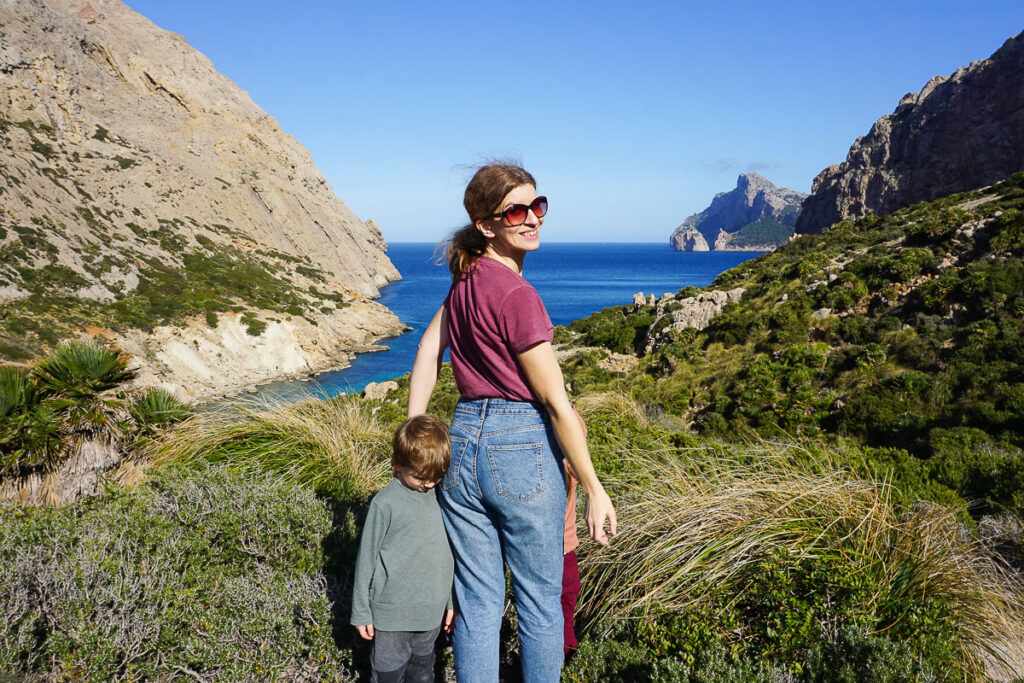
{"points": [[141, 189], [756, 215], [959, 132]]}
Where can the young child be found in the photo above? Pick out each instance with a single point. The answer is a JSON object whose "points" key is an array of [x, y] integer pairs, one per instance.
{"points": [[403, 579]]}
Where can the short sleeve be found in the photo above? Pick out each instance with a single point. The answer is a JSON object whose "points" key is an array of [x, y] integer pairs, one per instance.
{"points": [[524, 320]]}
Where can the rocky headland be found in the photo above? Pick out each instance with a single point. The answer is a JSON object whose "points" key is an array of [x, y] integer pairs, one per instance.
{"points": [[754, 216], [146, 199], [959, 133]]}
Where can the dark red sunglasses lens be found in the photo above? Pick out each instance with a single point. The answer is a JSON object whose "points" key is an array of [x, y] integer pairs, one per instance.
{"points": [[539, 206], [516, 214]]}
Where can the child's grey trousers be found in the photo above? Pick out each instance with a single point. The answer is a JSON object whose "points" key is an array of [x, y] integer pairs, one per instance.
{"points": [[403, 656]]}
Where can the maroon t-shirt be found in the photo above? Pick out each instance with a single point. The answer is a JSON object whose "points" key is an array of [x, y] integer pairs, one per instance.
{"points": [[493, 314]]}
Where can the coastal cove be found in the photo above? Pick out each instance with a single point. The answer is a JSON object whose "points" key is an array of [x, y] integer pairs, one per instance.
{"points": [[573, 279]]}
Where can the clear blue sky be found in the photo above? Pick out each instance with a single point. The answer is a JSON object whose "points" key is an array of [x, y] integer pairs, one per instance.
{"points": [[631, 115]]}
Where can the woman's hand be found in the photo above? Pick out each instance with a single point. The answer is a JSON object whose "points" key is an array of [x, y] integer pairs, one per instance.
{"points": [[598, 510], [545, 378]]}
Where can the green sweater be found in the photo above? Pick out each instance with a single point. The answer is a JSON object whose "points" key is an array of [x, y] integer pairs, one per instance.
{"points": [[403, 578]]}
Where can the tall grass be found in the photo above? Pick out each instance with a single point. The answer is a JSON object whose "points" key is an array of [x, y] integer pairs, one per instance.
{"points": [[335, 445], [699, 532]]}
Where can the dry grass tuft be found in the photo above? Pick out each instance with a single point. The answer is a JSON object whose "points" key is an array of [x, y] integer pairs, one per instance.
{"points": [[613, 404], [708, 520], [330, 445]]}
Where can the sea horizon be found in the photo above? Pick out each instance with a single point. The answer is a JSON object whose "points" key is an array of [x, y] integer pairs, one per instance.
{"points": [[574, 279]]}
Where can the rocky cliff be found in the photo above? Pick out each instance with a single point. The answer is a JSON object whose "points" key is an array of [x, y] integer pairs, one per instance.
{"points": [[960, 132], [141, 190], [755, 216]]}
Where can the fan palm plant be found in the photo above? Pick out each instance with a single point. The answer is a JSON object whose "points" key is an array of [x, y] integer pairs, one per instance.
{"points": [[29, 430], [152, 411], [78, 379]]}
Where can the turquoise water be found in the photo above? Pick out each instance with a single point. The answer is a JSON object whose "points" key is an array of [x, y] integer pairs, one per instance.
{"points": [[574, 280]]}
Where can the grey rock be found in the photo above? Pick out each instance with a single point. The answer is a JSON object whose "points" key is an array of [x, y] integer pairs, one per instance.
{"points": [[754, 198], [959, 133], [378, 390], [695, 311], [688, 238]]}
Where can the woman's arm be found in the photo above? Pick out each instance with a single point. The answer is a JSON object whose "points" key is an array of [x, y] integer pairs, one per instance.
{"points": [[427, 365], [545, 378]]}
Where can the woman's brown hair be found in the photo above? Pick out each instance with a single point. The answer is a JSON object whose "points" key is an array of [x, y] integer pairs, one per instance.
{"points": [[484, 193]]}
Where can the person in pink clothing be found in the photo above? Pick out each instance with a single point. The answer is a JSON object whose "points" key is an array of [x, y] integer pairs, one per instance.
{"points": [[570, 564], [503, 499]]}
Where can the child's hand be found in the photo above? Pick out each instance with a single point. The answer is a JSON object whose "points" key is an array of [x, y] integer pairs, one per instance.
{"points": [[366, 631], [449, 620]]}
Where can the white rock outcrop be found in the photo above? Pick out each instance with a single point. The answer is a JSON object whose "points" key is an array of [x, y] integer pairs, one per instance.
{"points": [[695, 311]]}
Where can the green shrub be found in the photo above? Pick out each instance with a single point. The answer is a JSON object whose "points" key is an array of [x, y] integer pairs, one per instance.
{"points": [[254, 327], [774, 554], [201, 570], [616, 328]]}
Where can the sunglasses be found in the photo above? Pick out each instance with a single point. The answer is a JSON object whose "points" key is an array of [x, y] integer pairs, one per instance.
{"points": [[516, 214]]}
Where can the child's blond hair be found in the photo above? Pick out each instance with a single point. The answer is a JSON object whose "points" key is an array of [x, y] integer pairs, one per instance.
{"points": [[421, 442]]}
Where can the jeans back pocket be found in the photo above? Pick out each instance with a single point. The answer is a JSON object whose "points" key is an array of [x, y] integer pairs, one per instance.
{"points": [[458, 450], [518, 469]]}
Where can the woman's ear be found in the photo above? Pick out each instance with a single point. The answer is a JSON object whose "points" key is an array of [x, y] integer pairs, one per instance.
{"points": [[484, 229]]}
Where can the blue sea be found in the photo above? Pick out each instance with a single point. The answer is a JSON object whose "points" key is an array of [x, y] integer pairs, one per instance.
{"points": [[574, 280]]}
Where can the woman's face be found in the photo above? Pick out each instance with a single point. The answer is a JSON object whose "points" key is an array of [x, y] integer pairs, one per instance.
{"points": [[517, 239]]}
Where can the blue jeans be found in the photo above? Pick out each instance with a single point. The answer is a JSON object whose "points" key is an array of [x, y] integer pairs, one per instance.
{"points": [[504, 497]]}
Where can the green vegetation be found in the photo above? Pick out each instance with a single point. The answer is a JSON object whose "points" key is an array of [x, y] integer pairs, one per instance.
{"points": [[212, 279], [898, 333], [254, 327], [615, 328], [736, 562], [792, 482], [73, 394], [196, 570], [763, 550], [764, 230]]}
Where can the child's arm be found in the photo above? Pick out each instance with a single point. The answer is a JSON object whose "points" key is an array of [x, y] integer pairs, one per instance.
{"points": [[374, 529]]}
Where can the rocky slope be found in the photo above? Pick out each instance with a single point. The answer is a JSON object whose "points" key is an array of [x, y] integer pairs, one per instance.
{"points": [[960, 132], [755, 216], [141, 190]]}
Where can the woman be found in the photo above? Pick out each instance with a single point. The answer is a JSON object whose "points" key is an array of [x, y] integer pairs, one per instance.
{"points": [[503, 496]]}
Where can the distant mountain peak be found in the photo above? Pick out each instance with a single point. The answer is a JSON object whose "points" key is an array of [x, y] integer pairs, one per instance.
{"points": [[755, 215]]}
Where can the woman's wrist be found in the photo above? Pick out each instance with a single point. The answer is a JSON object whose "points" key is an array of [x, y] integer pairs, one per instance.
{"points": [[593, 488]]}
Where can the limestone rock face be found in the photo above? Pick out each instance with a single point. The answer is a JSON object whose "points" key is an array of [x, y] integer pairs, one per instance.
{"points": [[695, 311], [126, 158], [959, 133], [688, 239], [755, 216], [197, 362]]}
